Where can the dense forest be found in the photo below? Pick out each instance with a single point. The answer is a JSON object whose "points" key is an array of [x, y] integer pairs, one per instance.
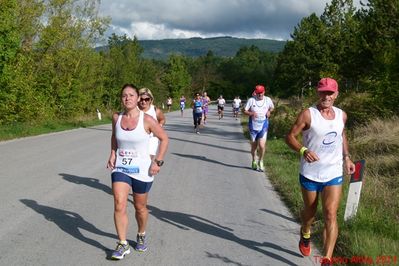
{"points": [[50, 69], [225, 46], [194, 47]]}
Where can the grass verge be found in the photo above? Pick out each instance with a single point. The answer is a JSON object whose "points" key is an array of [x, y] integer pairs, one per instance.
{"points": [[19, 130]]}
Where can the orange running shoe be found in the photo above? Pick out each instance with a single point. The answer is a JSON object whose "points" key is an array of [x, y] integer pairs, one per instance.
{"points": [[304, 245]]}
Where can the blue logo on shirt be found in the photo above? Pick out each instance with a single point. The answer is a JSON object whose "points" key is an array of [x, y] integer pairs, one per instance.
{"points": [[330, 138]]}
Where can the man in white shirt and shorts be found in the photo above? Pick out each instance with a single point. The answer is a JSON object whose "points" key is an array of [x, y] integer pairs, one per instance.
{"points": [[258, 108]]}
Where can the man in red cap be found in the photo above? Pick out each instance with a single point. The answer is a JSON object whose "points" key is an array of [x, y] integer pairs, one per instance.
{"points": [[324, 153], [258, 108]]}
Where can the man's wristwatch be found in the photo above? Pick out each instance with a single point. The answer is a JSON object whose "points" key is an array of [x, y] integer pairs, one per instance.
{"points": [[159, 162]]}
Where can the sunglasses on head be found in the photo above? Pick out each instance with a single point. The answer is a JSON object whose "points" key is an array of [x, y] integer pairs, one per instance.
{"points": [[145, 99]]}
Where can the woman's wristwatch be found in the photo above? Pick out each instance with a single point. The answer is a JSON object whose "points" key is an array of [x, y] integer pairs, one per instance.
{"points": [[159, 162]]}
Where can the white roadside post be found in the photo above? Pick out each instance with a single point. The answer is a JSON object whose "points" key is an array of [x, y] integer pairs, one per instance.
{"points": [[355, 187], [98, 114]]}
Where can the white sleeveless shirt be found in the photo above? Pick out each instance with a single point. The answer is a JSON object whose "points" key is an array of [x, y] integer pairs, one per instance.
{"points": [[132, 155], [324, 137], [260, 107], [154, 141]]}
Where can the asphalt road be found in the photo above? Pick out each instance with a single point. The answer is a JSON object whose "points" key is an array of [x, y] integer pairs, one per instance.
{"points": [[207, 207]]}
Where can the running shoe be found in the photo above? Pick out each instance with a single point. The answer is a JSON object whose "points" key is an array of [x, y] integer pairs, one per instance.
{"points": [[254, 165], [141, 243], [120, 251], [304, 245], [326, 262], [261, 166]]}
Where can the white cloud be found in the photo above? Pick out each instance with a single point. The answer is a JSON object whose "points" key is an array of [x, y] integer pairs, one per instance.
{"points": [[160, 19]]}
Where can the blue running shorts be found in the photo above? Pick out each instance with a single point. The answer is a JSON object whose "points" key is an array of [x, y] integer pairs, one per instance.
{"points": [[311, 185], [258, 134], [138, 186]]}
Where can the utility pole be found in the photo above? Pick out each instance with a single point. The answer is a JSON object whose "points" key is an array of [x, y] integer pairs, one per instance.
{"points": [[309, 83]]}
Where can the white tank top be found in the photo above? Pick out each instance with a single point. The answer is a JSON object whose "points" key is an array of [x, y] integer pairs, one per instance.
{"points": [[260, 107], [324, 137], [132, 155], [154, 141]]}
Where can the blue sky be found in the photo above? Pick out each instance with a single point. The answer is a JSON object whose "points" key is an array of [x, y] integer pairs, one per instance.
{"points": [[161, 19]]}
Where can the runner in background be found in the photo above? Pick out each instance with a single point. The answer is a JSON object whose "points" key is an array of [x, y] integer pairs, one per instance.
{"points": [[258, 108], [236, 106], [182, 104], [221, 102], [205, 103], [197, 112], [145, 104], [169, 103]]}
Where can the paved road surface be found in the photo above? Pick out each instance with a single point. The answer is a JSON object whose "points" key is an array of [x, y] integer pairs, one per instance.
{"points": [[207, 207]]}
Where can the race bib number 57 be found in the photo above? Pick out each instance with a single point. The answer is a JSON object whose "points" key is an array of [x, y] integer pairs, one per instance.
{"points": [[126, 161]]}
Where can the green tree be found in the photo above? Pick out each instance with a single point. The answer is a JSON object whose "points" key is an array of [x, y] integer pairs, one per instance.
{"points": [[250, 66], [151, 73], [325, 46], [64, 45], [204, 72], [177, 78], [24, 102], [380, 35], [9, 45], [123, 66], [342, 41]]}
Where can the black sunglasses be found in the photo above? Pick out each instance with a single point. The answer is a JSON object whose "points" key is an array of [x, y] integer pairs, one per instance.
{"points": [[145, 99]]}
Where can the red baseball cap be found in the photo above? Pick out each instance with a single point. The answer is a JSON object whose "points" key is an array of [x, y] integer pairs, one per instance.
{"points": [[259, 89], [327, 84]]}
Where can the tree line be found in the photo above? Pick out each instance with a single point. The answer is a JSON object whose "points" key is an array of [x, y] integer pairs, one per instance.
{"points": [[359, 48], [49, 68]]}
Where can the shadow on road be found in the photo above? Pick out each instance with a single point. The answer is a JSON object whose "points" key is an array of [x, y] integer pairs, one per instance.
{"points": [[210, 145], [280, 215], [186, 222], [90, 182], [87, 181], [71, 223], [222, 258], [203, 158], [99, 128], [209, 130]]}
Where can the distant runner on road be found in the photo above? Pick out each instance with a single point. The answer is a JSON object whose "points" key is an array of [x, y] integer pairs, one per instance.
{"points": [[236, 106], [197, 112], [221, 102], [169, 103], [182, 104], [205, 102], [258, 108]]}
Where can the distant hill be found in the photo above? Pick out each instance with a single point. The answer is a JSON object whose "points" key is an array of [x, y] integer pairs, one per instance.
{"points": [[194, 47]]}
